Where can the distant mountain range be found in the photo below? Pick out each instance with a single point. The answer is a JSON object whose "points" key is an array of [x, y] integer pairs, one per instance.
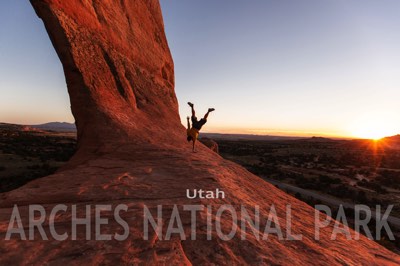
{"points": [[217, 136], [395, 138], [393, 141], [56, 126], [70, 127]]}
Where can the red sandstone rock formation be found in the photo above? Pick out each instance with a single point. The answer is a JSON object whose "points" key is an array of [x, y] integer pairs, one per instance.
{"points": [[132, 150], [118, 69]]}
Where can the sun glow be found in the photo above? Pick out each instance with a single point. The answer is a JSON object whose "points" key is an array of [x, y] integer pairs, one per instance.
{"points": [[373, 128]]}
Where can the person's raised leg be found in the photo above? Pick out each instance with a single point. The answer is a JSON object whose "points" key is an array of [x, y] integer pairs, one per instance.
{"points": [[208, 112], [188, 122], [193, 111]]}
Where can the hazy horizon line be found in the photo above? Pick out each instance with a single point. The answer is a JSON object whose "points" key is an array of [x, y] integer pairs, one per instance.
{"points": [[249, 132]]}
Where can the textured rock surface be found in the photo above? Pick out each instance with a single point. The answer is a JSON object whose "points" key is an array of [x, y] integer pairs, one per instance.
{"points": [[132, 150], [118, 69]]}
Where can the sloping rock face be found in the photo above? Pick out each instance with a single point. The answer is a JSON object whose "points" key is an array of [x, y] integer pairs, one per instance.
{"points": [[132, 151]]}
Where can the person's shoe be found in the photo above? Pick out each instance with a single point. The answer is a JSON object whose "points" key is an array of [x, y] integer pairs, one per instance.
{"points": [[190, 104], [211, 109]]}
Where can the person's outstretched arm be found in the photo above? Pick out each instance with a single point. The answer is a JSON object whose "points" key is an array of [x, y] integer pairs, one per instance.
{"points": [[194, 142]]}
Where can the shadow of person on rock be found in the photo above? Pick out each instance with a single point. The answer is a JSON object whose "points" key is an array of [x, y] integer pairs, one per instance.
{"points": [[193, 131]]}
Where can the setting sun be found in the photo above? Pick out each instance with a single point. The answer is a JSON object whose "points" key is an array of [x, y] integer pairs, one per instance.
{"points": [[373, 128]]}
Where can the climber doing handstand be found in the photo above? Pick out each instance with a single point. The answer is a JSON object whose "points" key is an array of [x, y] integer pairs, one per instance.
{"points": [[193, 131]]}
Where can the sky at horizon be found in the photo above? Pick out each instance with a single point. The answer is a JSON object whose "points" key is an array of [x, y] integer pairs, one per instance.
{"points": [[285, 67]]}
